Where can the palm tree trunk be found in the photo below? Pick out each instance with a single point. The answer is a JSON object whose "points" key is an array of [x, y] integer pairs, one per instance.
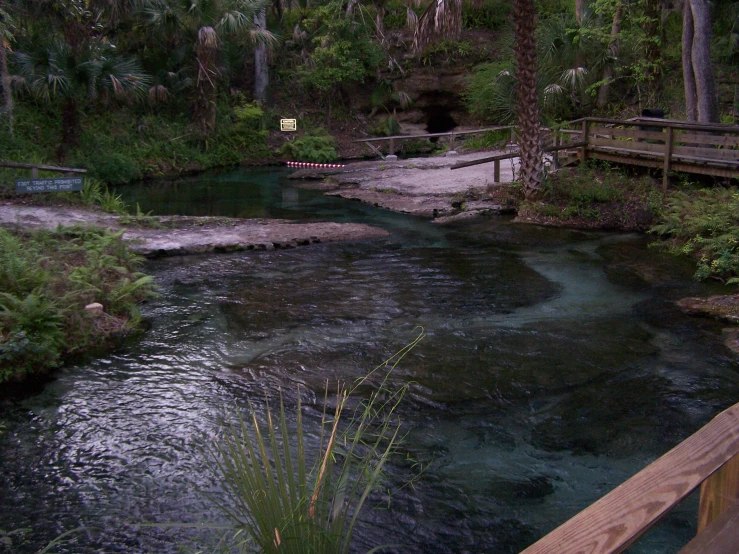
{"points": [[205, 86], [532, 168]]}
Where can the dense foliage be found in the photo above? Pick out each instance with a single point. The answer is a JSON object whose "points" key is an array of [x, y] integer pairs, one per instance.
{"points": [[42, 315], [704, 224]]}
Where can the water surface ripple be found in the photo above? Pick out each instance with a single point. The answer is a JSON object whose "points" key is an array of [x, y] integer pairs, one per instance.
{"points": [[555, 367]]}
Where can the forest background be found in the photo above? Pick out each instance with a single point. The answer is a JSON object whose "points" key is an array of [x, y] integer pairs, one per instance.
{"points": [[143, 88]]}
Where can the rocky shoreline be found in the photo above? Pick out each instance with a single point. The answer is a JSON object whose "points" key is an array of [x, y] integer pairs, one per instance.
{"points": [[181, 235]]}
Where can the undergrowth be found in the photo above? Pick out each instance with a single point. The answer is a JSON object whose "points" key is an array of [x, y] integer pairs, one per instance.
{"points": [[47, 279], [704, 224]]}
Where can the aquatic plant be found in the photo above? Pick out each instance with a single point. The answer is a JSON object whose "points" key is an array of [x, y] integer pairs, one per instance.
{"points": [[283, 495]]}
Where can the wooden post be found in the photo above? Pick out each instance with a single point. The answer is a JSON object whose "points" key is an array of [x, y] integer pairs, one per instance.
{"points": [[451, 142], [555, 156], [668, 159], [392, 147], [584, 149], [34, 173], [719, 492], [496, 171]]}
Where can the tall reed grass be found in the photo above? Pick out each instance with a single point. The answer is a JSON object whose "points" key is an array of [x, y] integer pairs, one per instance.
{"points": [[283, 495]]}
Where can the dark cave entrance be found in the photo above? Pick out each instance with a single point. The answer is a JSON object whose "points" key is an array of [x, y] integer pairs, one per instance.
{"points": [[439, 119]]}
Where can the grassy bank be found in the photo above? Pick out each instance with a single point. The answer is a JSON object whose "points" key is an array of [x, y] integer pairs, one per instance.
{"points": [[47, 279]]}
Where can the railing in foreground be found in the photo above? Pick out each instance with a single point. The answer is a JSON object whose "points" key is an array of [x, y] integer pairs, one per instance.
{"points": [[708, 458]]}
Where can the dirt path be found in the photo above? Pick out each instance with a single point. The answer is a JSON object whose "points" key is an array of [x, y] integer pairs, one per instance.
{"points": [[178, 235]]}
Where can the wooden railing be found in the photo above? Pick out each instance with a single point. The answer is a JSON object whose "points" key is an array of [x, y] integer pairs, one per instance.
{"points": [[35, 168], [666, 144], [709, 459], [452, 136]]}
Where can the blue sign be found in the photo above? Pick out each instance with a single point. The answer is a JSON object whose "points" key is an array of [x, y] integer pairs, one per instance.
{"points": [[61, 184]]}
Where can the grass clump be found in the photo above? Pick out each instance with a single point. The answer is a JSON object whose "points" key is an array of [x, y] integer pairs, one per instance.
{"points": [[286, 495], [704, 224], [47, 279], [596, 197]]}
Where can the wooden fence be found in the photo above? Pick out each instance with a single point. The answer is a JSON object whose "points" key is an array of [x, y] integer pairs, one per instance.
{"points": [[709, 459], [36, 167]]}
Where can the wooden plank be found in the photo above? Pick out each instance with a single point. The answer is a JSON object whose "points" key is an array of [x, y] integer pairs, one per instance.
{"points": [[627, 133], [718, 492], [585, 139], [43, 167], [627, 146], [515, 154], [706, 170], [669, 145], [619, 518], [720, 537], [726, 141], [708, 153]]}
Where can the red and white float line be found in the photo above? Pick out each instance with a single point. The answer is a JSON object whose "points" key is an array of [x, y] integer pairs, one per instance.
{"points": [[308, 164]]}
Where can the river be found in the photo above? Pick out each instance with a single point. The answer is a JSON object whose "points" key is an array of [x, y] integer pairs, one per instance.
{"points": [[555, 366]]}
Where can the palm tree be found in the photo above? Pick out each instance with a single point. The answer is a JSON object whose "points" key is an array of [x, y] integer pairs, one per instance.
{"points": [[6, 28], [441, 19], [532, 168], [56, 72], [204, 23]]}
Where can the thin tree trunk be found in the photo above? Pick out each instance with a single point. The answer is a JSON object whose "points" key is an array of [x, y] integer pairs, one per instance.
{"points": [[613, 48], [261, 69], [532, 168], [652, 50], [705, 82], [5, 82], [691, 100]]}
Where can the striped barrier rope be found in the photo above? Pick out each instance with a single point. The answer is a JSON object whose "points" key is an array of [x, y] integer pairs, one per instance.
{"points": [[308, 164]]}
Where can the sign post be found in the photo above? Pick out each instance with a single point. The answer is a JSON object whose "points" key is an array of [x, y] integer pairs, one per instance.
{"points": [[60, 184]]}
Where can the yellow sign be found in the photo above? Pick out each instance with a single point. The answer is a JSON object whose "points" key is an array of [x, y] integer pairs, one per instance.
{"points": [[288, 124]]}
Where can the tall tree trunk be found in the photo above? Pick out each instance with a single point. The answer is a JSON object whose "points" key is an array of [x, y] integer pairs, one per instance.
{"points": [[705, 82], [691, 100], [261, 69], [580, 6], [613, 48], [5, 83], [532, 168]]}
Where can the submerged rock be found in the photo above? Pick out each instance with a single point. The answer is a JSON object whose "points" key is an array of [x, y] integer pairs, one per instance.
{"points": [[722, 307]]}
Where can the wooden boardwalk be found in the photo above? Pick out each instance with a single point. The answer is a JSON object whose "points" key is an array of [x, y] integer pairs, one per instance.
{"points": [[709, 459], [664, 144], [658, 143]]}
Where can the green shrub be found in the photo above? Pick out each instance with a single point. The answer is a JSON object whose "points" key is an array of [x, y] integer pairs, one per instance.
{"points": [[704, 224], [115, 168], [488, 14], [311, 148]]}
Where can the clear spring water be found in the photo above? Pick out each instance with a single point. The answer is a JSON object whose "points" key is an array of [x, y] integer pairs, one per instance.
{"points": [[555, 367]]}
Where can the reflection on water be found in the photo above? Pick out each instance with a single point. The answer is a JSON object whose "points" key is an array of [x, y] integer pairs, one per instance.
{"points": [[555, 367]]}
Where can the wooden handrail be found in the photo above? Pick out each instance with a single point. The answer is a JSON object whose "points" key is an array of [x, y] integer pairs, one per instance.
{"points": [[618, 519], [516, 154], [43, 167], [659, 122], [428, 135]]}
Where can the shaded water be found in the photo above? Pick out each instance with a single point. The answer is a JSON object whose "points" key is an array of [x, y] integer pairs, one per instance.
{"points": [[555, 367]]}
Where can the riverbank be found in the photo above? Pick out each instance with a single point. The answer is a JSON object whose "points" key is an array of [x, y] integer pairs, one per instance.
{"points": [[179, 235]]}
